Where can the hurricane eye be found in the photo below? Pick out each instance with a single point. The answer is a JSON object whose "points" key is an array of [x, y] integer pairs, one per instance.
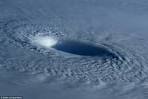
{"points": [[82, 48]]}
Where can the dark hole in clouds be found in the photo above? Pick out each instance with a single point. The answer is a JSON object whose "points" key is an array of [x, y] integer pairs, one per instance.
{"points": [[84, 49]]}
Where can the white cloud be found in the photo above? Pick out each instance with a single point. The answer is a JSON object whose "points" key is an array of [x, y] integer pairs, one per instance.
{"points": [[44, 41]]}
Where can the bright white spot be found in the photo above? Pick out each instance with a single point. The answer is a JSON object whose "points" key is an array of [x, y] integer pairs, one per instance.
{"points": [[44, 41]]}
